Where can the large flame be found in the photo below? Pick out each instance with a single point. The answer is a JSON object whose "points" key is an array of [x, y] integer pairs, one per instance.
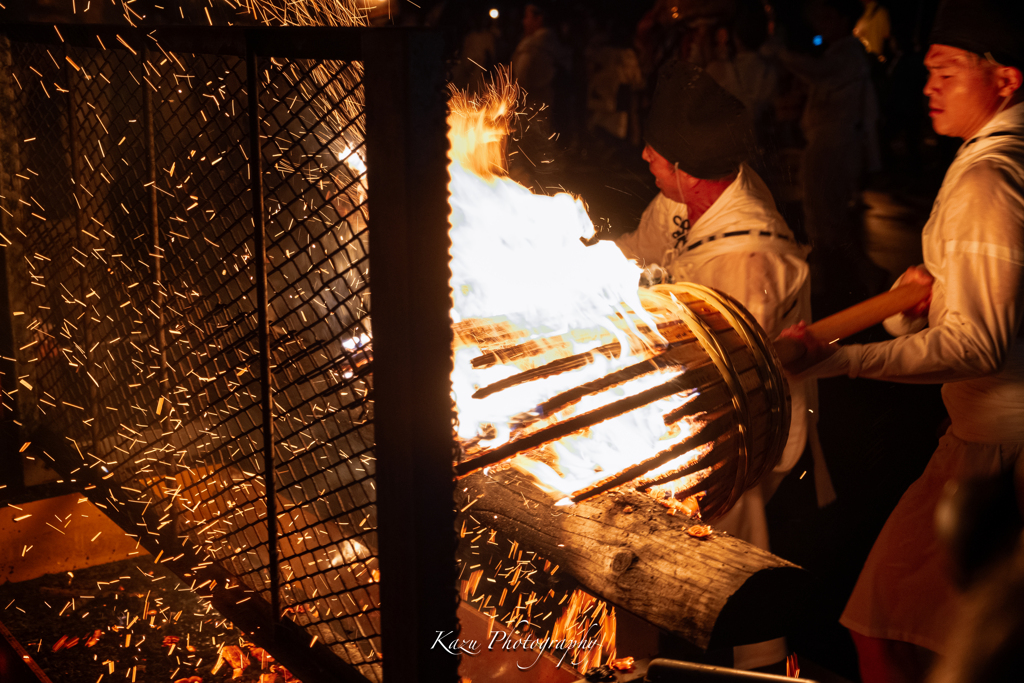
{"points": [[520, 267]]}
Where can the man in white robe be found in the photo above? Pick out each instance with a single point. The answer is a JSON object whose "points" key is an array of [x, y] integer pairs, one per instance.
{"points": [[967, 339], [715, 223]]}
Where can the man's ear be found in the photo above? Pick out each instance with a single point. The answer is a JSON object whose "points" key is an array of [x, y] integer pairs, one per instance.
{"points": [[1009, 81]]}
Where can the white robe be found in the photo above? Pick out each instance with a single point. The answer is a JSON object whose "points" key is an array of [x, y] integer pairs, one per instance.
{"points": [[973, 246], [768, 274]]}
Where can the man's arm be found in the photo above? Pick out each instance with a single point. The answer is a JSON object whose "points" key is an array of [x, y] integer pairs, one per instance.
{"points": [[983, 240], [647, 244]]}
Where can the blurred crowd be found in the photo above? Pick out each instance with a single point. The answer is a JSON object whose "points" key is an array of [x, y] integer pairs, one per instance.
{"points": [[832, 90]]}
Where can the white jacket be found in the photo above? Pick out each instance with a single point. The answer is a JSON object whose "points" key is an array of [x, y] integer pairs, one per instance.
{"points": [[743, 247], [973, 246]]}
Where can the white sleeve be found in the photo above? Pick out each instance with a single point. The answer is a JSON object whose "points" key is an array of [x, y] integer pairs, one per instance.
{"points": [[629, 243], [983, 244], [648, 243], [900, 324]]}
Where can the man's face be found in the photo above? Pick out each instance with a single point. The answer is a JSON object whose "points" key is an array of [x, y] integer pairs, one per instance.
{"points": [[963, 91], [672, 183]]}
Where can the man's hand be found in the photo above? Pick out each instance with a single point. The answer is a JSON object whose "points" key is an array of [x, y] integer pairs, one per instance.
{"points": [[918, 274], [815, 350]]}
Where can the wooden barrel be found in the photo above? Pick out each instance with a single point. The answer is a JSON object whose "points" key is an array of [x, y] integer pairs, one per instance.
{"points": [[724, 373], [751, 390]]}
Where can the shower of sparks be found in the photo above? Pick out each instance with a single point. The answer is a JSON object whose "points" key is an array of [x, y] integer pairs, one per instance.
{"points": [[524, 593], [145, 353], [127, 611]]}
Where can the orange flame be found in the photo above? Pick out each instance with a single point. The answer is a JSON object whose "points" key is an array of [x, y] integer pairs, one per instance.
{"points": [[480, 125]]}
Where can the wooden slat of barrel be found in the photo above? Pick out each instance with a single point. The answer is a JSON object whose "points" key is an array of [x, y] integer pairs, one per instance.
{"points": [[740, 390]]}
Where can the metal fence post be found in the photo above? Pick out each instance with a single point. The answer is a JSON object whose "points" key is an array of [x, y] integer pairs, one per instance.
{"points": [[11, 474], [413, 415], [154, 220], [74, 152]]}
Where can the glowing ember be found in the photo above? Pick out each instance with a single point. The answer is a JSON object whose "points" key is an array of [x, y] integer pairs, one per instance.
{"points": [[588, 624], [528, 295]]}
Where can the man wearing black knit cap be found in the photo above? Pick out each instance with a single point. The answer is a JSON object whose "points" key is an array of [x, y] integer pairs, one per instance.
{"points": [[715, 223], [969, 339]]}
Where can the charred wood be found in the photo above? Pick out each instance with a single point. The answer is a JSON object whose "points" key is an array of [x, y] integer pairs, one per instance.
{"points": [[624, 547]]}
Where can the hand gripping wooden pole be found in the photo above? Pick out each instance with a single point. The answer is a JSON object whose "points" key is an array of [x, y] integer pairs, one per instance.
{"points": [[854, 319]]}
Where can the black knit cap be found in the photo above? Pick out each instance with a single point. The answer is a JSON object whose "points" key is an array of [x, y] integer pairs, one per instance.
{"points": [[696, 123], [992, 27]]}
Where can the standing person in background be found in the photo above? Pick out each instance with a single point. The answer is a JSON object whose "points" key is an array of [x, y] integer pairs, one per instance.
{"points": [[478, 54], [540, 65], [874, 31], [715, 223], [539, 58], [656, 39], [840, 124], [749, 76], [969, 339], [613, 81]]}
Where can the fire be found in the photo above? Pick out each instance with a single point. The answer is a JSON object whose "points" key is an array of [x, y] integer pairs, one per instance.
{"points": [[528, 292]]}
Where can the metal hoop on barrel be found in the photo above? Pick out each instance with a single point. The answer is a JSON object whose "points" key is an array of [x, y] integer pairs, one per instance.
{"points": [[766, 363], [769, 367], [709, 342]]}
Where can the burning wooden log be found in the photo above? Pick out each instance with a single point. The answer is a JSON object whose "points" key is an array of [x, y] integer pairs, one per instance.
{"points": [[702, 351], [718, 366], [626, 548], [705, 587]]}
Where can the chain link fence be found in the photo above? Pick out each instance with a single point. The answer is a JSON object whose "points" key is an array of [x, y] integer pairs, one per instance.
{"points": [[145, 342]]}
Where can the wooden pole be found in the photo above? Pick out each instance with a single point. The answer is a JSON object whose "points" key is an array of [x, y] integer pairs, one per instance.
{"points": [[858, 317]]}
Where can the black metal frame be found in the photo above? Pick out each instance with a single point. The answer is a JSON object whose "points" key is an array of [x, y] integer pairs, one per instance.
{"points": [[415, 433], [406, 151]]}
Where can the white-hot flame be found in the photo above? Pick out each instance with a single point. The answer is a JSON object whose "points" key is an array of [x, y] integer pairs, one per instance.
{"points": [[519, 261], [352, 160]]}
